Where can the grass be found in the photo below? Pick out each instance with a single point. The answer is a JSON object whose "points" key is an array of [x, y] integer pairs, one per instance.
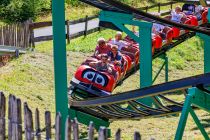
{"points": [[73, 13], [76, 12], [30, 78]]}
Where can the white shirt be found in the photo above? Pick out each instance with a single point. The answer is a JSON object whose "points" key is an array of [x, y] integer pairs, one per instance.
{"points": [[158, 27], [198, 8], [120, 43], [176, 17]]}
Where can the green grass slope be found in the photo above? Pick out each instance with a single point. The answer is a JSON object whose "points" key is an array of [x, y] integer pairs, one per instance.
{"points": [[30, 78]]}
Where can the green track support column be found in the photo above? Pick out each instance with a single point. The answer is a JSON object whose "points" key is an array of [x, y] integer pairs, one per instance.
{"points": [[206, 40], [145, 55], [184, 115], [194, 97], [145, 42], [166, 68], [144, 39], [60, 68]]}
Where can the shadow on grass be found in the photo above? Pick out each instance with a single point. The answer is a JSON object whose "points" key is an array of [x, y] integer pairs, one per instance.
{"points": [[206, 124]]}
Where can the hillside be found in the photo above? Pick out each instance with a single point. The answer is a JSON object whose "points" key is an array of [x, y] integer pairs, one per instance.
{"points": [[30, 78]]}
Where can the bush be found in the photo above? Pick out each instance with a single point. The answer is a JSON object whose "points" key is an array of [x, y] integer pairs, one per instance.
{"points": [[21, 10]]}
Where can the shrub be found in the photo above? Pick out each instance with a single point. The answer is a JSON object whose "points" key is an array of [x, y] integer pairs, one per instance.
{"points": [[21, 10]]}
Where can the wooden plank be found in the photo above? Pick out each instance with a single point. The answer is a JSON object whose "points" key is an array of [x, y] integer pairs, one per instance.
{"points": [[18, 119], [58, 126], [137, 136], [102, 133], [91, 131], [14, 114], [28, 123], [2, 116], [68, 31], [49, 23], [75, 127], [118, 135], [48, 125], [10, 116], [86, 26], [68, 129], [37, 125]]}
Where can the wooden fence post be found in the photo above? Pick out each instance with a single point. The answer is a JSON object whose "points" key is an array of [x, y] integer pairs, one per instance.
{"points": [[137, 136], [2, 115], [91, 131], [37, 125], [102, 133], [58, 126], [17, 120], [31, 28], [146, 9], [86, 26], [171, 5], [10, 110], [28, 122], [68, 31], [68, 129], [118, 135], [48, 125], [75, 126], [158, 7]]}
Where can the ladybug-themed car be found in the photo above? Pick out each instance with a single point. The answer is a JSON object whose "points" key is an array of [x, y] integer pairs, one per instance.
{"points": [[89, 79]]}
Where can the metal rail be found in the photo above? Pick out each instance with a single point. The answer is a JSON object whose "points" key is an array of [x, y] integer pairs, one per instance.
{"points": [[116, 6], [203, 79]]}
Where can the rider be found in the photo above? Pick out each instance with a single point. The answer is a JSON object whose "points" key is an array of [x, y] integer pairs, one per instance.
{"points": [[178, 15], [102, 48], [115, 56], [118, 41], [102, 65]]}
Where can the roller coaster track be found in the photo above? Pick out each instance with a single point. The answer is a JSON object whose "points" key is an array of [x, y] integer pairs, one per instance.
{"points": [[127, 105], [115, 106], [116, 6]]}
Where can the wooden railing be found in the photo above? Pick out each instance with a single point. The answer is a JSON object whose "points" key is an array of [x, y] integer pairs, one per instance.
{"points": [[68, 23], [85, 20], [20, 124]]}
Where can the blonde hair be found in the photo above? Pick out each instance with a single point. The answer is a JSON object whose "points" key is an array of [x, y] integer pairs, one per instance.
{"points": [[178, 8], [119, 33], [101, 39], [115, 47]]}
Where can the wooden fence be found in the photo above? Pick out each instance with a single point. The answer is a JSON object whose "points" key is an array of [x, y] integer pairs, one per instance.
{"points": [[17, 35], [68, 23], [21, 125], [85, 20]]}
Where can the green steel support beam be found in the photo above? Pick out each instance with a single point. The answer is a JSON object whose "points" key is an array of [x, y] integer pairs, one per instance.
{"points": [[192, 95], [144, 39], [166, 68], [197, 121], [60, 68], [195, 96], [184, 115]]}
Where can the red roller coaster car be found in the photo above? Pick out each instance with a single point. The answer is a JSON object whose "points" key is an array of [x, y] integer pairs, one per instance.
{"points": [[103, 83], [191, 20], [91, 80]]}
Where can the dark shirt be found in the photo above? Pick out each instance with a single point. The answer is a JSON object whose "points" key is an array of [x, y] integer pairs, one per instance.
{"points": [[102, 68], [118, 57]]}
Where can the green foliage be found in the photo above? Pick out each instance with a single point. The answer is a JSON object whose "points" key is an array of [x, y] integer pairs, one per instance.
{"points": [[4, 2], [72, 2], [21, 10]]}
